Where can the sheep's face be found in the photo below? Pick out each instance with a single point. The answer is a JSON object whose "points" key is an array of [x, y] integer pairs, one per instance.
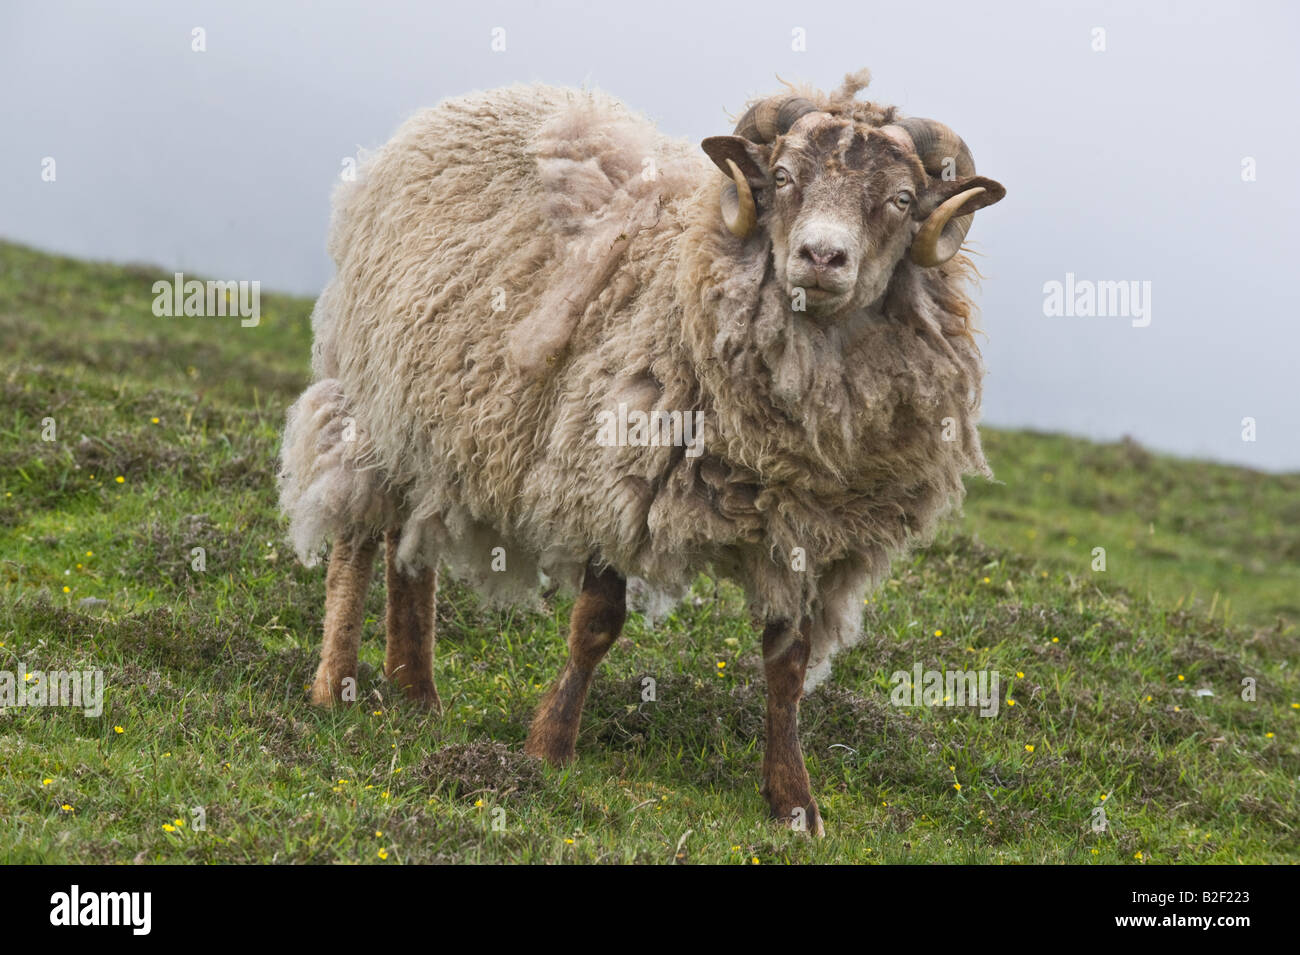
{"points": [[840, 212], [840, 202]]}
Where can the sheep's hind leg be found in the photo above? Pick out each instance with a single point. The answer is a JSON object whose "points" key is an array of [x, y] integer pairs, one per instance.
{"points": [[785, 776], [408, 657], [351, 565], [597, 620]]}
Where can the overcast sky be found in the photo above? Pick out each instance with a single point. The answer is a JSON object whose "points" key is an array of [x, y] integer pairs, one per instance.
{"points": [[1130, 162]]}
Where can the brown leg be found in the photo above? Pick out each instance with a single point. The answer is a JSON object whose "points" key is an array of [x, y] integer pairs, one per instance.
{"points": [[785, 777], [408, 659], [351, 565], [597, 620]]}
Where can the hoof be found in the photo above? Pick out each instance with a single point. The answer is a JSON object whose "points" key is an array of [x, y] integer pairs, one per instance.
{"points": [[418, 688], [424, 696], [322, 696], [553, 751], [805, 819], [325, 694]]}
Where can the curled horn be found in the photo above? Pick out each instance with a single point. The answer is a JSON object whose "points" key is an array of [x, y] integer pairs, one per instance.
{"points": [[761, 123], [738, 211], [944, 155], [772, 117]]}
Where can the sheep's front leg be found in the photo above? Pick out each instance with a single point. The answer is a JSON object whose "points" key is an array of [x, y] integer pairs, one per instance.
{"points": [[785, 777], [408, 655], [597, 620], [351, 565]]}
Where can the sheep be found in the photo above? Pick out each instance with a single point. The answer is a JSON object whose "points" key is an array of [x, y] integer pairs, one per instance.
{"points": [[534, 287]]}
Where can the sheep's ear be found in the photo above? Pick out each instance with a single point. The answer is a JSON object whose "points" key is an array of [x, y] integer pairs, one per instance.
{"points": [[750, 158], [941, 190]]}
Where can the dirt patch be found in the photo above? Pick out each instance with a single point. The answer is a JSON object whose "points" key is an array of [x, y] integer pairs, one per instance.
{"points": [[181, 641], [170, 552], [473, 769]]}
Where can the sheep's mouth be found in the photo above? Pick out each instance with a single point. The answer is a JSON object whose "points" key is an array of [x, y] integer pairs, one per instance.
{"points": [[824, 301]]}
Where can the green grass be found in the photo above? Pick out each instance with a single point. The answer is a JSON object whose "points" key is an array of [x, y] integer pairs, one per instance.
{"points": [[206, 671]]}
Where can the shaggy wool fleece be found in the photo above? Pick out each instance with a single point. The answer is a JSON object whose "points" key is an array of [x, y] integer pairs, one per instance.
{"points": [[513, 263]]}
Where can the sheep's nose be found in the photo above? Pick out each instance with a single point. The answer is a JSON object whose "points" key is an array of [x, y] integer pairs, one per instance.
{"points": [[824, 257]]}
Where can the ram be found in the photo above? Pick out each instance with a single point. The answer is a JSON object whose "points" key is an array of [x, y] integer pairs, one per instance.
{"points": [[517, 266]]}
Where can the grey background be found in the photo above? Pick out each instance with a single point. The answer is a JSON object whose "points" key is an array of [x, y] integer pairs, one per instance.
{"points": [[1120, 165]]}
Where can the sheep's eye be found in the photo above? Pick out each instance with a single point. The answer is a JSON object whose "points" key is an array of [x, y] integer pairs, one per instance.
{"points": [[903, 200], [781, 178]]}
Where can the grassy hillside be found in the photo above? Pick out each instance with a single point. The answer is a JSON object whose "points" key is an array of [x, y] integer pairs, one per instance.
{"points": [[166, 432]]}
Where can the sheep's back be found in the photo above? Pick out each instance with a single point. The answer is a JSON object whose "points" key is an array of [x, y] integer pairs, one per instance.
{"points": [[461, 251]]}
